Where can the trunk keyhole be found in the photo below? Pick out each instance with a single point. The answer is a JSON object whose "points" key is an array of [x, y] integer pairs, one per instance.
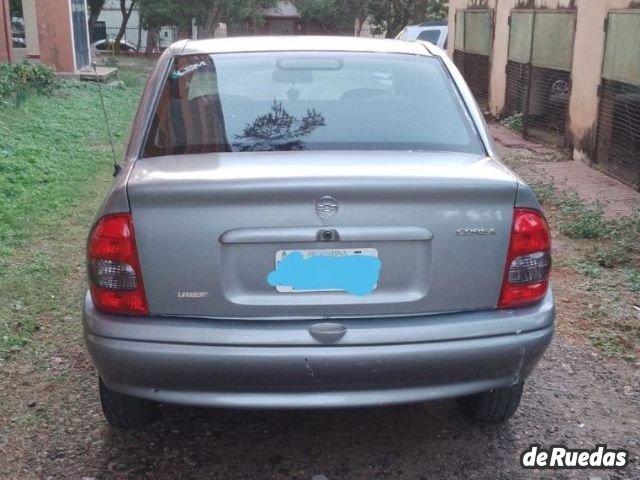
{"points": [[328, 235]]}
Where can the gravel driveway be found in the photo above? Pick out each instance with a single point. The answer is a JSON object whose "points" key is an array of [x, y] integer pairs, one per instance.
{"points": [[575, 398]]}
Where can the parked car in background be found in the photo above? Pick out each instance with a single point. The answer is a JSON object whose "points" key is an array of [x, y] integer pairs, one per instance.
{"points": [[314, 222], [19, 42], [432, 32], [104, 45]]}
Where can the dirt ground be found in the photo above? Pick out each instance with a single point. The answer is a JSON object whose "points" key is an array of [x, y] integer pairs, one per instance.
{"points": [[51, 426], [574, 398]]}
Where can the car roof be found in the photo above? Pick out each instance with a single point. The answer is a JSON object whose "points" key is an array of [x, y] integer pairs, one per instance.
{"points": [[426, 27], [434, 23], [299, 43]]}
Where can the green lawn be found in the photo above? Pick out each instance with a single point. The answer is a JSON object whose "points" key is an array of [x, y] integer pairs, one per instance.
{"points": [[55, 166]]}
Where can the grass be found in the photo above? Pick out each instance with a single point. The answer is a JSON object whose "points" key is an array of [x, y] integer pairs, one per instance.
{"points": [[606, 254], [574, 218], [55, 166], [633, 280], [581, 220]]}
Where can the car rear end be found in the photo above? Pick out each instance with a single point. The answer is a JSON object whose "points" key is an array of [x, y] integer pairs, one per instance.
{"points": [[239, 159]]}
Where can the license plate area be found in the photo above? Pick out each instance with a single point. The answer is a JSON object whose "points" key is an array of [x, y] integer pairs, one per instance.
{"points": [[324, 252]]}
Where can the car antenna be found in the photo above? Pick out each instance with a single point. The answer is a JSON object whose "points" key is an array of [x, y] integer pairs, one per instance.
{"points": [[116, 166]]}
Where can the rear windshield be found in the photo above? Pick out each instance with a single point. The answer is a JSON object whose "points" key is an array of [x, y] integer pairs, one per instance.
{"points": [[278, 101], [431, 35]]}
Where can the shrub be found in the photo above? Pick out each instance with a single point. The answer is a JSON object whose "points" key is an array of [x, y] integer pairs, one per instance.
{"points": [[623, 246], [515, 122], [545, 191], [581, 220], [18, 79], [8, 80]]}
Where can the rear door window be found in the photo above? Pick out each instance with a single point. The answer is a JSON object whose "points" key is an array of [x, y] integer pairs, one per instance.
{"points": [[284, 101]]}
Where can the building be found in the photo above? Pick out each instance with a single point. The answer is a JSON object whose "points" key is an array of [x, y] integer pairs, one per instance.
{"points": [[6, 43], [56, 34], [284, 19], [110, 20], [569, 68]]}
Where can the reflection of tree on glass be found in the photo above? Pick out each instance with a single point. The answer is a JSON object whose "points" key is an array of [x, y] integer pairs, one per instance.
{"points": [[278, 130]]}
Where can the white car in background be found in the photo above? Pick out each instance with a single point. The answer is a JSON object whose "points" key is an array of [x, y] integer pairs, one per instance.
{"points": [[432, 32], [105, 44]]}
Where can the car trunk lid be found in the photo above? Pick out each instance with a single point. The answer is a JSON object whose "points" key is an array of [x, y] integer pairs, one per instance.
{"points": [[209, 228]]}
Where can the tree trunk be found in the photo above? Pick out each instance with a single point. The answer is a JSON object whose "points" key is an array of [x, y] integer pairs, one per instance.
{"points": [[209, 28], [94, 12], [92, 21], [359, 25], [123, 26], [152, 40], [392, 14], [139, 46]]}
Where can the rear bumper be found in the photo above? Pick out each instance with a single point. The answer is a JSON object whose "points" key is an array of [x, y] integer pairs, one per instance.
{"points": [[314, 375]]}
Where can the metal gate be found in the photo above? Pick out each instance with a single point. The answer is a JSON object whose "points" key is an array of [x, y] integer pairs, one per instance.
{"points": [[80, 33], [472, 52], [539, 71], [618, 131]]}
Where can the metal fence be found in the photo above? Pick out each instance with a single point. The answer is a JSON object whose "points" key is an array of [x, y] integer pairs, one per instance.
{"points": [[541, 95], [472, 52], [517, 88], [539, 72], [618, 133], [475, 69], [137, 38], [548, 104]]}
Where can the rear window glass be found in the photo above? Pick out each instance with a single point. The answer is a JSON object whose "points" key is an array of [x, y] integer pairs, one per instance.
{"points": [[429, 36], [278, 101]]}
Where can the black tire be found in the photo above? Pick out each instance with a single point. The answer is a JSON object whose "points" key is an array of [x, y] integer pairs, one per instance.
{"points": [[125, 412], [494, 406]]}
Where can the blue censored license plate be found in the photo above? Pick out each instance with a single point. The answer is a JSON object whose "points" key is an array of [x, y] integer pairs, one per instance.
{"points": [[354, 270]]}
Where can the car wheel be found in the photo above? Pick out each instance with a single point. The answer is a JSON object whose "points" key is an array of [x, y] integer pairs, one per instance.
{"points": [[495, 406], [125, 412]]}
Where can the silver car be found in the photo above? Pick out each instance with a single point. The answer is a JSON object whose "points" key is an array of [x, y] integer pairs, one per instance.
{"points": [[314, 222]]}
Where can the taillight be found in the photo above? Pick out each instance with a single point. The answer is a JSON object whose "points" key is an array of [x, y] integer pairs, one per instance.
{"points": [[526, 276], [114, 270]]}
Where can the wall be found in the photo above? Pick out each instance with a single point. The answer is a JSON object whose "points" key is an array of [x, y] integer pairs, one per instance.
{"points": [[588, 55], [587, 58], [113, 18], [54, 35], [31, 28], [6, 44]]}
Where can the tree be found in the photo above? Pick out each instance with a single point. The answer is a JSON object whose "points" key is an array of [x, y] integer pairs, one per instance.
{"points": [[209, 13], [15, 7], [333, 15], [394, 15], [95, 7], [438, 10], [386, 15], [126, 14], [278, 130], [157, 13]]}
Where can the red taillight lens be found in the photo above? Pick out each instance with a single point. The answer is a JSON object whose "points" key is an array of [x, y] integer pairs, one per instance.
{"points": [[526, 276], [115, 281]]}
